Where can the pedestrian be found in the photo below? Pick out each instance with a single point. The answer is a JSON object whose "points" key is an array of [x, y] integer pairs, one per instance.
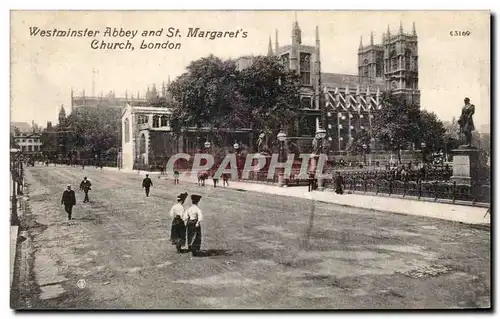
{"points": [[215, 178], [146, 184], [176, 178], [178, 230], [225, 179], [311, 182], [85, 187], [194, 217], [68, 200], [339, 184]]}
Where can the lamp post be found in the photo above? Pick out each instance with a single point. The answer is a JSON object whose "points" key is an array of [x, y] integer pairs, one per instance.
{"points": [[281, 138], [422, 147], [207, 145], [364, 146], [14, 220], [320, 135], [236, 147]]}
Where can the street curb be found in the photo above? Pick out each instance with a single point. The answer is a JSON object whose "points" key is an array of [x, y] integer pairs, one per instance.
{"points": [[14, 235]]}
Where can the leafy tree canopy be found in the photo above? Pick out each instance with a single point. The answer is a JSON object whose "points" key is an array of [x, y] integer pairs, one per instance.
{"points": [[214, 92]]}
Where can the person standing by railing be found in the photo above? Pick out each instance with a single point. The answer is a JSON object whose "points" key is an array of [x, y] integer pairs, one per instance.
{"points": [[339, 184]]}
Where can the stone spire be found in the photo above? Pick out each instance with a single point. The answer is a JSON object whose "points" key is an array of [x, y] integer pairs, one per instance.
{"points": [[277, 46], [414, 30], [388, 32], [400, 27], [360, 42], [270, 48], [154, 92], [371, 38]]}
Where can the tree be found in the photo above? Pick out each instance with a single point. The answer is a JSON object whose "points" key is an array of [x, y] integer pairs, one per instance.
{"points": [[431, 131], [215, 93], [396, 123], [206, 94], [94, 131], [13, 143], [271, 93]]}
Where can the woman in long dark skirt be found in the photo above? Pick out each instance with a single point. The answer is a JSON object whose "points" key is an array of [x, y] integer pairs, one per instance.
{"points": [[194, 217], [178, 231]]}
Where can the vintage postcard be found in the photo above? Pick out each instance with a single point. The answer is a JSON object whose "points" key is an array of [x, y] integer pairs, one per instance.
{"points": [[250, 160]]}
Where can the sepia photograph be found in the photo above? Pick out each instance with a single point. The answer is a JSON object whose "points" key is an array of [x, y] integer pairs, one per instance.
{"points": [[250, 160]]}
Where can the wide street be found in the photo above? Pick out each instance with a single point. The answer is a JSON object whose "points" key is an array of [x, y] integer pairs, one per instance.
{"points": [[259, 251]]}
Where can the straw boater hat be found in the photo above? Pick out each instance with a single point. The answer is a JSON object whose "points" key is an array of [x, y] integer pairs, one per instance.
{"points": [[182, 197], [196, 198]]}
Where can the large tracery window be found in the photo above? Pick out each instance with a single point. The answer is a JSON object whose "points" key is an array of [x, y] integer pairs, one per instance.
{"points": [[378, 67], [394, 61], [305, 69], [408, 60]]}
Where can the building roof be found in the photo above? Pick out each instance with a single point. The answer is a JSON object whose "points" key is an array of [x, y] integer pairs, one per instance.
{"points": [[337, 80], [23, 127]]}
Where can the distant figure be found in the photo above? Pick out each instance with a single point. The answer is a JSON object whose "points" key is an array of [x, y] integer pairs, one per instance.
{"points": [[194, 217], [176, 178], [225, 179], [178, 229], [146, 184], [83, 165], [466, 122], [339, 184], [68, 200], [215, 178], [85, 187], [202, 176], [311, 186]]}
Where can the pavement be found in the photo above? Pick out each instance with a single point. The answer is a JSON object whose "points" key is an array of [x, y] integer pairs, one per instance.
{"points": [[259, 251], [459, 213], [13, 245]]}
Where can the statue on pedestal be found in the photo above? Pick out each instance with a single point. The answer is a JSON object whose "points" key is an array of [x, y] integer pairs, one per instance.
{"points": [[466, 122], [263, 143]]}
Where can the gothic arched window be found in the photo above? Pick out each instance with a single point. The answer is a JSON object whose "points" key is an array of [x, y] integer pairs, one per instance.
{"points": [[378, 67], [408, 60], [142, 144], [394, 61], [164, 121], [126, 125], [156, 121]]}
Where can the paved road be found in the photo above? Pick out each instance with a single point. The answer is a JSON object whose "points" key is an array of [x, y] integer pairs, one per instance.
{"points": [[260, 251]]}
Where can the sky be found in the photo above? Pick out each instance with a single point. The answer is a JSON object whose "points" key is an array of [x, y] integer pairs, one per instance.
{"points": [[44, 69]]}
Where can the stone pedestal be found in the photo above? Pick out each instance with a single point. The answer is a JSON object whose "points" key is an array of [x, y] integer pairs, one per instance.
{"points": [[466, 165]]}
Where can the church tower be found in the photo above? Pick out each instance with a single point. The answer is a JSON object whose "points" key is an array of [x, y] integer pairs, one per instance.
{"points": [[370, 60], [401, 64]]}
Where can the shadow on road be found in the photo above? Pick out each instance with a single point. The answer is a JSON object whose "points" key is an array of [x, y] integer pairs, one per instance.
{"points": [[213, 252]]}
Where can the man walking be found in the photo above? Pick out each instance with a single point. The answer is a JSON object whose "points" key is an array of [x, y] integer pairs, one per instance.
{"points": [[68, 200], [85, 187], [146, 184]]}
